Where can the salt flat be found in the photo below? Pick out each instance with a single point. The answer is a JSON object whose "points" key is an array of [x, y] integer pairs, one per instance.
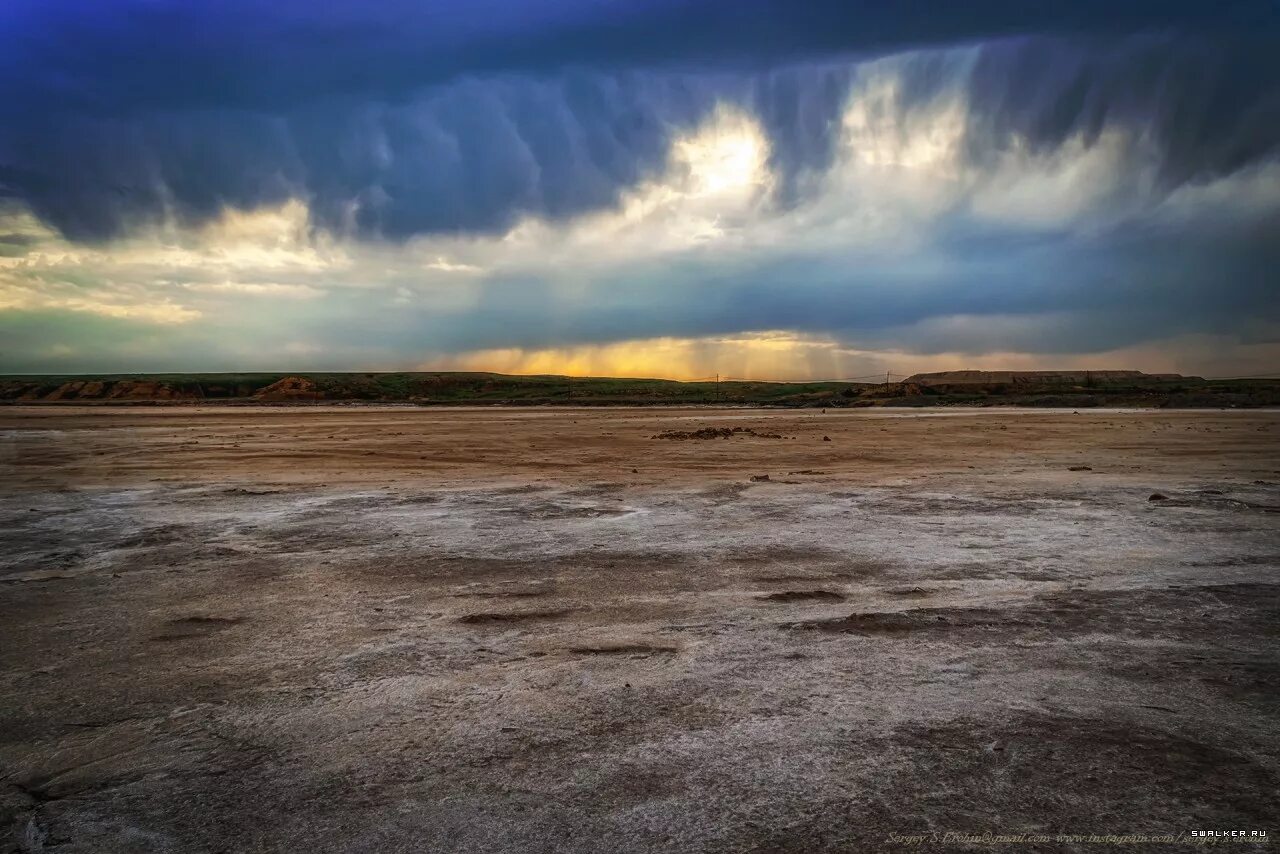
{"points": [[399, 629]]}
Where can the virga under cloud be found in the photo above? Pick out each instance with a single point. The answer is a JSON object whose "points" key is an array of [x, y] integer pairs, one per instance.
{"points": [[675, 187]]}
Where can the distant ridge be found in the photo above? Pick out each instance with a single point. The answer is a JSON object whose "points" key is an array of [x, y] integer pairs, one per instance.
{"points": [[1034, 377], [1071, 389]]}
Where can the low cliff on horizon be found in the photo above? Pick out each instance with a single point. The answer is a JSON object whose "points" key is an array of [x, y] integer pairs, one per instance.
{"points": [[1041, 377], [1070, 389]]}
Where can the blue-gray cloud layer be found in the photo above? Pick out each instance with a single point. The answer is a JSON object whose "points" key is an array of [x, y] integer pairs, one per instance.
{"points": [[396, 118]]}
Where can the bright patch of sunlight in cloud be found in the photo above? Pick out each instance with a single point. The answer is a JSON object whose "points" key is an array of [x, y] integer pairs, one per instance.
{"points": [[714, 190], [726, 155]]}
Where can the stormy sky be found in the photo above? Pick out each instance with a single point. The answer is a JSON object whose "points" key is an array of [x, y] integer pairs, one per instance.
{"points": [[763, 189]]}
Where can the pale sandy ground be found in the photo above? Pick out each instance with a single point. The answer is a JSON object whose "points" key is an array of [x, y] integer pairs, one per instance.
{"points": [[384, 630]]}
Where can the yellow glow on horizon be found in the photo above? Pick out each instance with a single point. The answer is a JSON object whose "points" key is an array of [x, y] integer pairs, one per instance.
{"points": [[765, 355], [782, 356]]}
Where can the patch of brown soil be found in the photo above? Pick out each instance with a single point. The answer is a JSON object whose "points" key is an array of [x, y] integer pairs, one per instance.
{"points": [[490, 617], [184, 628], [622, 649], [716, 433]]}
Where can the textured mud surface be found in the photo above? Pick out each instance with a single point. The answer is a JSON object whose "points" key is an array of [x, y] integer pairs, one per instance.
{"points": [[403, 630]]}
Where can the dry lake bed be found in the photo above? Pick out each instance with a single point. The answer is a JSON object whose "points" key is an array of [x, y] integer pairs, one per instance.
{"points": [[523, 630]]}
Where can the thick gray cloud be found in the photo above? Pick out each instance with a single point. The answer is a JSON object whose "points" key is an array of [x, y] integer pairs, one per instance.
{"points": [[1208, 107], [125, 56], [396, 119], [1020, 177]]}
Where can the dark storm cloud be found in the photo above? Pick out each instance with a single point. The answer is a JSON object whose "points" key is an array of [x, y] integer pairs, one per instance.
{"points": [[114, 55], [398, 118], [474, 155], [1211, 107]]}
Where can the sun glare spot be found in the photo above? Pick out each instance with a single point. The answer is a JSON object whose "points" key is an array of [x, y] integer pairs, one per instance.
{"points": [[729, 152]]}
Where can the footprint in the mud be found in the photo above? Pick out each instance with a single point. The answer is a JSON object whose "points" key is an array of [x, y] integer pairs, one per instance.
{"points": [[623, 649], [905, 622], [505, 617], [162, 535], [504, 594], [723, 494], [595, 490], [909, 592], [423, 498], [802, 596], [520, 490], [550, 510], [184, 628]]}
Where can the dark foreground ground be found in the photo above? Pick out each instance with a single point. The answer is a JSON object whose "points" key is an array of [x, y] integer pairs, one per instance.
{"points": [[491, 630]]}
